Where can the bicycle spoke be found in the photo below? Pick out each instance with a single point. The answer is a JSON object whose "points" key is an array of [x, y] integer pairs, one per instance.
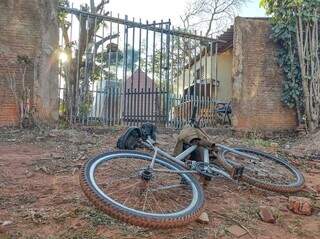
{"points": [[121, 181]]}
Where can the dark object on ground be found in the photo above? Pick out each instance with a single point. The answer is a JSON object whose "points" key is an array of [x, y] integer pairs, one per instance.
{"points": [[148, 130], [130, 139]]}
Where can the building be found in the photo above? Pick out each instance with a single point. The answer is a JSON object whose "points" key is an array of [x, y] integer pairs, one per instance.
{"points": [[141, 95], [199, 77], [247, 75]]}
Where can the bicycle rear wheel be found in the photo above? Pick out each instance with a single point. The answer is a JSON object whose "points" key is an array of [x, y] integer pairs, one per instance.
{"points": [[268, 172], [118, 184]]}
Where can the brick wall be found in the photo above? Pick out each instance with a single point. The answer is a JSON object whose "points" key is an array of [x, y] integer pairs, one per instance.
{"points": [[257, 80], [22, 33]]}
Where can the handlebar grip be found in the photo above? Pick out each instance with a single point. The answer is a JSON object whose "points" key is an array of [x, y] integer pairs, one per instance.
{"points": [[194, 112]]}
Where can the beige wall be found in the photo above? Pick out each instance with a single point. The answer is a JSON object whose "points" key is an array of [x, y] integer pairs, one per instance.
{"points": [[224, 90]]}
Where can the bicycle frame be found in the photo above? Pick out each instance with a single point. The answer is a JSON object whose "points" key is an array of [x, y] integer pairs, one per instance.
{"points": [[178, 159]]}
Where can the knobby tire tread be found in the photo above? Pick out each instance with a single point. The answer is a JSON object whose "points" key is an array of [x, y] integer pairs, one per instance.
{"points": [[128, 217]]}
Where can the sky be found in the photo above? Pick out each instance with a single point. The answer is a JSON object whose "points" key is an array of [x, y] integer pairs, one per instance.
{"points": [[165, 9]]}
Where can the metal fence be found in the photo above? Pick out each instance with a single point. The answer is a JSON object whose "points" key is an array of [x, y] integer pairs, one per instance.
{"points": [[119, 71]]}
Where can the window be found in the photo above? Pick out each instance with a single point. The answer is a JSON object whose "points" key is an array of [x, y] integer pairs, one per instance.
{"points": [[200, 73]]}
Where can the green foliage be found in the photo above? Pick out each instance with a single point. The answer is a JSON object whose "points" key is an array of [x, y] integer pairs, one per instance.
{"points": [[23, 60], [284, 18], [61, 13]]}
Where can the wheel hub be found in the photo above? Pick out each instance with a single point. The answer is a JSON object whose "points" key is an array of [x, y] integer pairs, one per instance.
{"points": [[146, 175]]}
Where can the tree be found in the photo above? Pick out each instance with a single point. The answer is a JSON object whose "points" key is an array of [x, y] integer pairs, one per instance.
{"points": [[295, 25], [213, 16], [80, 68]]}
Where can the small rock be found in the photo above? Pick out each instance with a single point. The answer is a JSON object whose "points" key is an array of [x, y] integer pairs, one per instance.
{"points": [[317, 188], [57, 156], [237, 231], [6, 223], [287, 146], [274, 145], [266, 214], [284, 209], [296, 162], [204, 218], [300, 205]]}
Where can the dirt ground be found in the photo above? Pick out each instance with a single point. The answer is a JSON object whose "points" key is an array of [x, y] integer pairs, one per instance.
{"points": [[40, 196]]}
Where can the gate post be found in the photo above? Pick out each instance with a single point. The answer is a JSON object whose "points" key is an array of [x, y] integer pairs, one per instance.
{"points": [[167, 70]]}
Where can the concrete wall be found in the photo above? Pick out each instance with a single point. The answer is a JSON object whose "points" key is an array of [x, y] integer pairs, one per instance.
{"points": [[29, 28], [257, 80]]}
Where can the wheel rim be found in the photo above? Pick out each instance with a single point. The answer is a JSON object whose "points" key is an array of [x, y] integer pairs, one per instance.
{"points": [[267, 169], [164, 196]]}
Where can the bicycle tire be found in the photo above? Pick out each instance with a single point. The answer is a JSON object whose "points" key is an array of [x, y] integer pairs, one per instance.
{"points": [[283, 188], [129, 216]]}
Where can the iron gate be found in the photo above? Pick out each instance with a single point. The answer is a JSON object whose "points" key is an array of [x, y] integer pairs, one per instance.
{"points": [[121, 71]]}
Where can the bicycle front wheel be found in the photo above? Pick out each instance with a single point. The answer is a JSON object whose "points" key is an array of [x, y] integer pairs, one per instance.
{"points": [[120, 184], [266, 172]]}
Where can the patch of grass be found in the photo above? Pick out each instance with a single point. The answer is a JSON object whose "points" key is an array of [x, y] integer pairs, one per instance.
{"points": [[295, 226], [259, 142], [96, 217], [87, 233], [220, 231], [247, 215], [26, 199]]}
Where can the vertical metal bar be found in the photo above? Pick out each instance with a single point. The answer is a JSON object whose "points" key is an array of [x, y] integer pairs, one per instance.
{"points": [[149, 105], [200, 70], [101, 88], [139, 111], [112, 105], [129, 91], [178, 67], [86, 79], [154, 98], [195, 74], [211, 69], [118, 105], [134, 118], [187, 102], [78, 68], [125, 65], [110, 82], [167, 71], [172, 94], [206, 87], [183, 74], [72, 88], [216, 73], [146, 74], [157, 106], [119, 82], [132, 67], [95, 85], [160, 71]]}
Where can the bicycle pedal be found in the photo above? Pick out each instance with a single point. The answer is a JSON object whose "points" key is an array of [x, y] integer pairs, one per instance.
{"points": [[237, 172]]}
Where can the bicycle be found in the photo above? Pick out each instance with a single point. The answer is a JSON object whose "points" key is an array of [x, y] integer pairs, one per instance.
{"points": [[160, 190]]}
